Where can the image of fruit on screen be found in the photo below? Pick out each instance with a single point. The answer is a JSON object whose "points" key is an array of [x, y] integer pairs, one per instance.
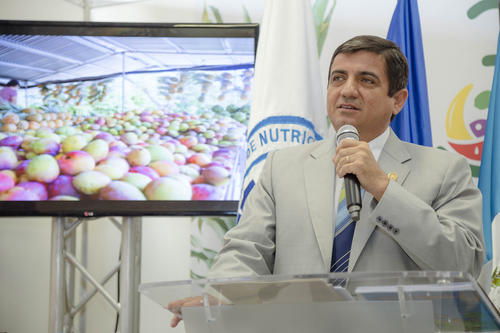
{"points": [[124, 118]]}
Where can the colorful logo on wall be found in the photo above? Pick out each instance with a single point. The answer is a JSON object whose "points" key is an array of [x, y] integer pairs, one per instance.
{"points": [[467, 138]]}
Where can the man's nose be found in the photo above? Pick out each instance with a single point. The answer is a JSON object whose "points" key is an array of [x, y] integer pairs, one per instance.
{"points": [[350, 88]]}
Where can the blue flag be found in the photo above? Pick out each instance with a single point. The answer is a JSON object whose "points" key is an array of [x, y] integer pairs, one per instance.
{"points": [[489, 173], [412, 124]]}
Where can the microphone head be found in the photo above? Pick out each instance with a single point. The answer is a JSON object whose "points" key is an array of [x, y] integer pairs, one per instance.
{"points": [[347, 131]]}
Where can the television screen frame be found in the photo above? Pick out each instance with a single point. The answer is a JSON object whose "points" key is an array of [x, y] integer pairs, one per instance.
{"points": [[98, 208]]}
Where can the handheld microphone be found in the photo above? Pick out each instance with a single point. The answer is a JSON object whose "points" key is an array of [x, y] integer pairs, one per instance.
{"points": [[351, 182]]}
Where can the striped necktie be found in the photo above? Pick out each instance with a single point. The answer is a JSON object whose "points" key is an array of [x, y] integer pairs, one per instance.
{"points": [[344, 230]]}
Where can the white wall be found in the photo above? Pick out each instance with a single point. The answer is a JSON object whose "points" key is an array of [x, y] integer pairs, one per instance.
{"points": [[39, 10], [24, 274], [178, 11]]}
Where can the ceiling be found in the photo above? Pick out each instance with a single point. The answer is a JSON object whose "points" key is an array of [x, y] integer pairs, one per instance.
{"points": [[40, 59]]}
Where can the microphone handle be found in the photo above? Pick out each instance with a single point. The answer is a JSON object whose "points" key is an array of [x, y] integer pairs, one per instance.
{"points": [[352, 195]]}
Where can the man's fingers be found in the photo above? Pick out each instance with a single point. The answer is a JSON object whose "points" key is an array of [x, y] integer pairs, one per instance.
{"points": [[194, 301], [176, 307], [175, 320], [188, 301]]}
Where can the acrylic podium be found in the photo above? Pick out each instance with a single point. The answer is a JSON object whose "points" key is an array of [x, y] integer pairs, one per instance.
{"points": [[394, 302]]}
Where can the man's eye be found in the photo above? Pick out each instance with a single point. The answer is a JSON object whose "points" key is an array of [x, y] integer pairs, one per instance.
{"points": [[368, 80], [337, 78]]}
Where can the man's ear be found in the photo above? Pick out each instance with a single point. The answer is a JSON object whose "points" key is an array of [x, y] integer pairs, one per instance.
{"points": [[399, 100]]}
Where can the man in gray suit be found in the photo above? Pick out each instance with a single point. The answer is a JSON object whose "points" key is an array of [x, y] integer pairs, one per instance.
{"points": [[421, 209]]}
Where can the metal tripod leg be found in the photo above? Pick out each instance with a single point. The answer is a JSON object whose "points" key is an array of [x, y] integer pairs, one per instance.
{"points": [[130, 274], [62, 275], [57, 298]]}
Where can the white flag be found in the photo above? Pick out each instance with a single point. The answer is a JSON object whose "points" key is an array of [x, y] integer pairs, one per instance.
{"points": [[288, 103]]}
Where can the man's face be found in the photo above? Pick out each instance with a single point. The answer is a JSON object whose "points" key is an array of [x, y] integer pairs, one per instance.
{"points": [[358, 94]]}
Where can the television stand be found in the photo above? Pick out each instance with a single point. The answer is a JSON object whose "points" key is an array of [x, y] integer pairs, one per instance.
{"points": [[62, 306]]}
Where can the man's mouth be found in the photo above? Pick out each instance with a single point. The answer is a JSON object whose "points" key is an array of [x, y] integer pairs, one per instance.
{"points": [[348, 107]]}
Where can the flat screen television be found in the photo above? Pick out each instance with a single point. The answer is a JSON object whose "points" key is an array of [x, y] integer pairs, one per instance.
{"points": [[123, 119]]}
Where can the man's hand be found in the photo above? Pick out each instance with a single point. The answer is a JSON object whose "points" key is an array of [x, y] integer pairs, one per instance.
{"points": [[175, 307], [356, 157]]}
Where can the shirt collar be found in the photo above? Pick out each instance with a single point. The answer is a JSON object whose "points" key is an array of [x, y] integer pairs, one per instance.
{"points": [[377, 144]]}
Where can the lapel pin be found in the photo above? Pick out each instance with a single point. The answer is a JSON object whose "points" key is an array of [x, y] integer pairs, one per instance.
{"points": [[393, 176]]}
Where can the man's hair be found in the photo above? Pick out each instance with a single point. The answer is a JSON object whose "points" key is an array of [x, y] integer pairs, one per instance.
{"points": [[396, 64], [12, 83]]}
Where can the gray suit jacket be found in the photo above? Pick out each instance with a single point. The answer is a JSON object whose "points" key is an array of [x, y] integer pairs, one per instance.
{"points": [[428, 219]]}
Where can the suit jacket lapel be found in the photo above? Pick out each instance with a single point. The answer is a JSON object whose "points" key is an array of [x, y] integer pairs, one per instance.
{"points": [[392, 159], [319, 175]]}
